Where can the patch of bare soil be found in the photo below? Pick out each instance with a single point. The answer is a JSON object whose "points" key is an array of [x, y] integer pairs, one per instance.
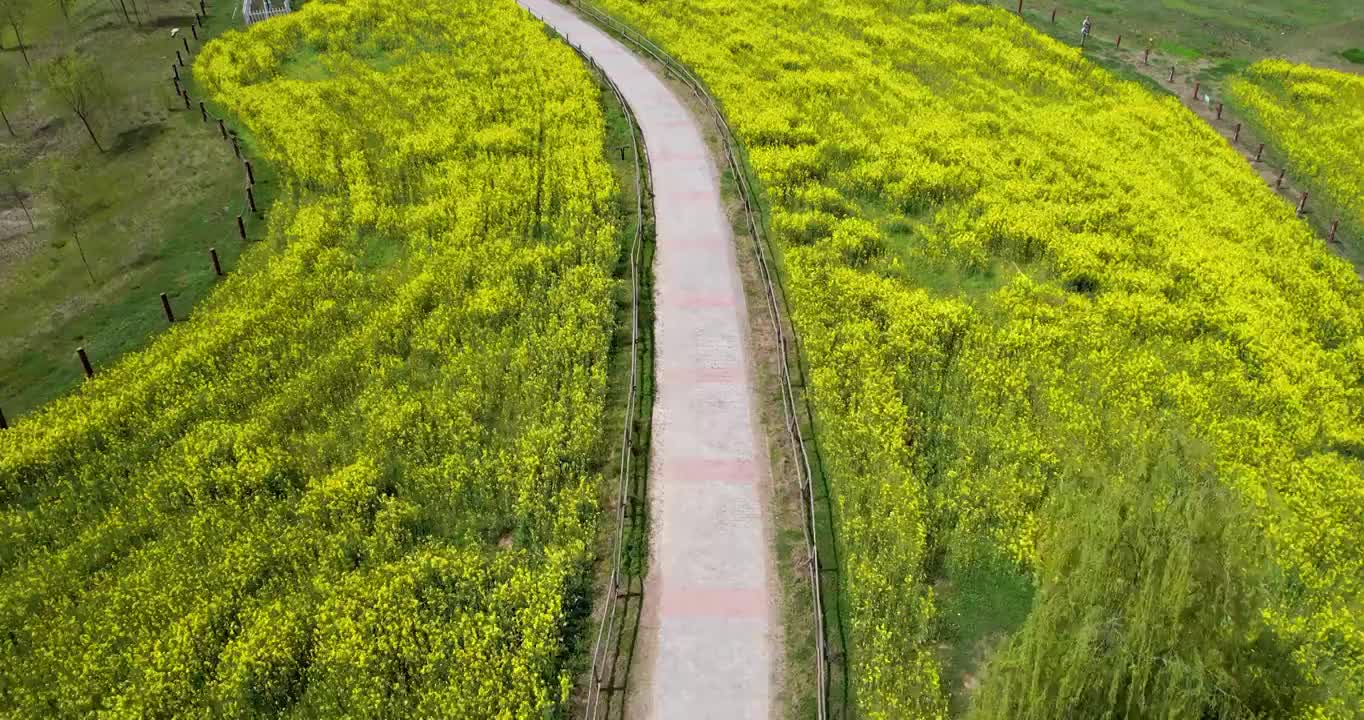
{"points": [[17, 237]]}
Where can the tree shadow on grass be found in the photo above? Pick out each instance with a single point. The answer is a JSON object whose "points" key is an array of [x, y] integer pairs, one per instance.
{"points": [[136, 138], [173, 21]]}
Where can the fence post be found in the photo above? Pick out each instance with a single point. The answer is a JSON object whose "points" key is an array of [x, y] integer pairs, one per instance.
{"points": [[1260, 152], [1302, 206], [1020, 8], [250, 175], [241, 228], [1146, 58], [85, 362], [1278, 184], [1237, 138], [185, 40], [165, 305], [3, 425], [175, 72], [222, 128], [202, 9], [1172, 73], [217, 266], [194, 29], [251, 199], [1334, 226], [185, 95], [236, 149], [1219, 111], [1119, 46], [1196, 87], [203, 111], [1053, 16], [179, 58]]}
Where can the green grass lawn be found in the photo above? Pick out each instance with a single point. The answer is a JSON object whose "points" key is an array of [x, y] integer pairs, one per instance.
{"points": [[981, 602], [1315, 32], [166, 189]]}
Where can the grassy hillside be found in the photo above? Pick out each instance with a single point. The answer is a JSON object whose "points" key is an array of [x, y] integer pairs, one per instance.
{"points": [[146, 208], [1089, 392], [1230, 33]]}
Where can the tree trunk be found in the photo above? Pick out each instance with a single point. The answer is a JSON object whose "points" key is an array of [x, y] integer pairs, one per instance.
{"points": [[8, 127], [90, 130], [20, 38], [20, 199], [80, 249]]}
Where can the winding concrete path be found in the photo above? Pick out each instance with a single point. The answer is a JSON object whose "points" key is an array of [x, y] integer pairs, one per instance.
{"points": [[708, 633]]}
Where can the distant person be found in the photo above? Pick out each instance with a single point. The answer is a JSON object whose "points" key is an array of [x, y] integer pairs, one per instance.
{"points": [[1084, 30]]}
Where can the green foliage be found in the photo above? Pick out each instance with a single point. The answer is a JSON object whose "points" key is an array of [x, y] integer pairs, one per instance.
{"points": [[1151, 584], [1354, 55], [76, 84], [15, 14], [67, 195]]}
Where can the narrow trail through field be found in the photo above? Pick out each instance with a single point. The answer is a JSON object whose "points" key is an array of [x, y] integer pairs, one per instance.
{"points": [[707, 642]]}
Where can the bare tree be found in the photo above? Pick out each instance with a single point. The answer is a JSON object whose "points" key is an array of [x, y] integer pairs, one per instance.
{"points": [[9, 179], [15, 13], [9, 90], [71, 205], [80, 86]]}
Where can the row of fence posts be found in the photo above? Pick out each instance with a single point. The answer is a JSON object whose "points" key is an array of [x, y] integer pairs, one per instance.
{"points": [[1259, 158], [1236, 133], [181, 92]]}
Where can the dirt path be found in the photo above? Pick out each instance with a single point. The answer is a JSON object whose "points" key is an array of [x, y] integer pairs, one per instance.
{"points": [[707, 646]]}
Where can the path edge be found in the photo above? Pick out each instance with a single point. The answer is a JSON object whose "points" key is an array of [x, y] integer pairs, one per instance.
{"points": [[821, 536]]}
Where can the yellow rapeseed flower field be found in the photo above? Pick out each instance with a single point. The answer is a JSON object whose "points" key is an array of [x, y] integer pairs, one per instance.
{"points": [[360, 481], [1054, 321], [1315, 118]]}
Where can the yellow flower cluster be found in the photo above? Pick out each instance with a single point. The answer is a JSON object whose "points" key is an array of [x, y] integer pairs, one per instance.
{"points": [[1018, 278], [1315, 117], [360, 481]]}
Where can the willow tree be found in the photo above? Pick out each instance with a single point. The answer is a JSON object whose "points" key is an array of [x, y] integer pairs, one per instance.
{"points": [[1151, 586]]}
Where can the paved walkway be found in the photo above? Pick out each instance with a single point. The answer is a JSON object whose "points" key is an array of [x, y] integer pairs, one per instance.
{"points": [[709, 626]]}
